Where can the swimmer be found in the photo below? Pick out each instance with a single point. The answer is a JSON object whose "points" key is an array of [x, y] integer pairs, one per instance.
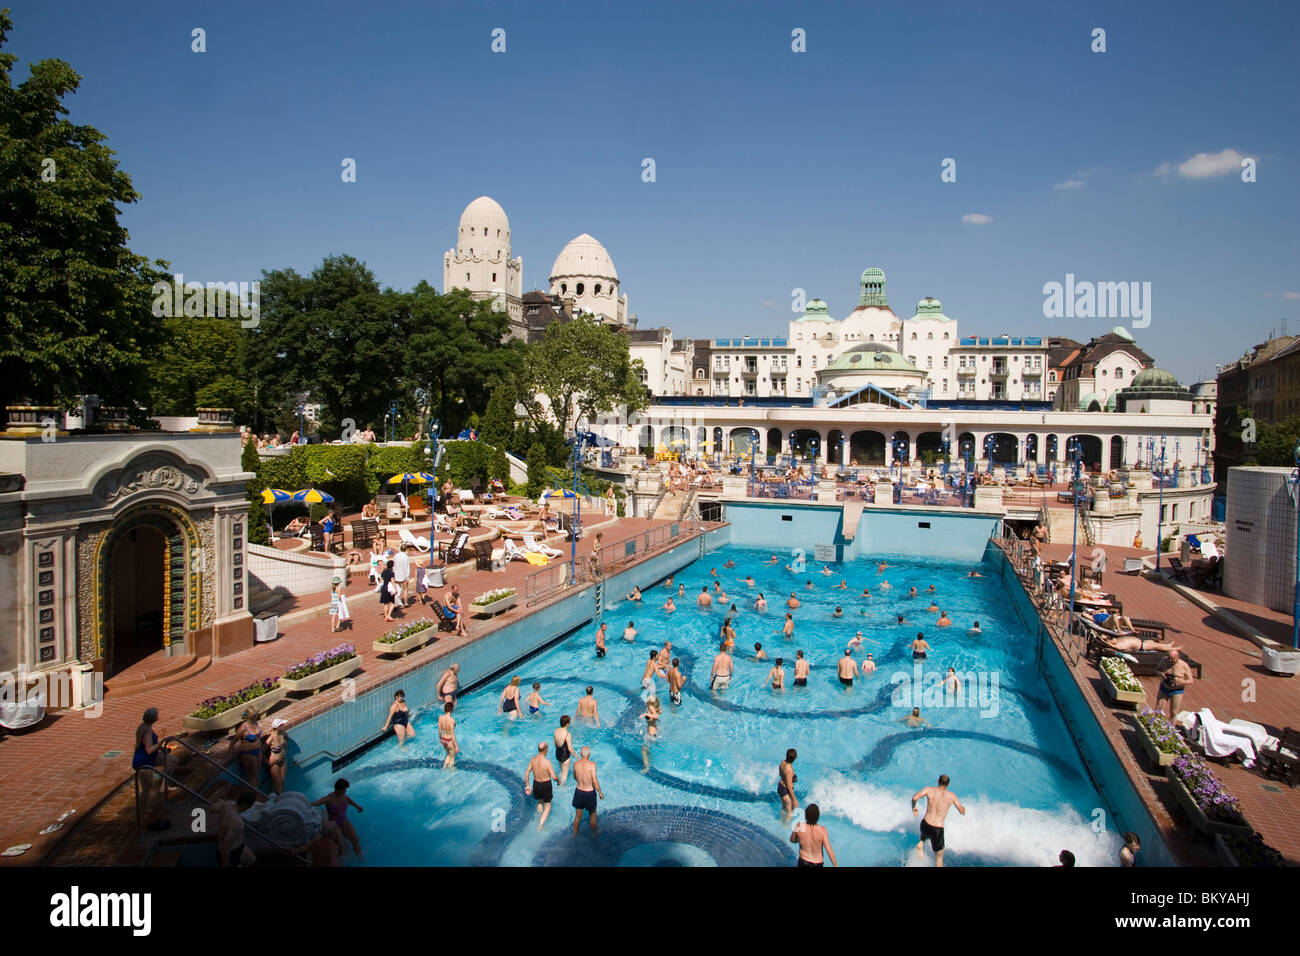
{"points": [[808, 586], [912, 592], [675, 682], [838, 612], [856, 641], [535, 702], [730, 564], [975, 630], [669, 583], [543, 779], [932, 609], [587, 707], [880, 568], [826, 569], [974, 574], [681, 590], [447, 735], [734, 610], [665, 653], [509, 702], [713, 572], [914, 719], [720, 674], [669, 607], [761, 603], [951, 683], [919, 647], [563, 748], [813, 839], [793, 602], [749, 580], [868, 666], [776, 676], [448, 684], [785, 781], [600, 640], [842, 586], [866, 592], [886, 586], [900, 619], [847, 668], [774, 560], [629, 633], [938, 801], [930, 589], [651, 717], [718, 593], [759, 653], [704, 600], [944, 620], [635, 595], [788, 630], [652, 670], [800, 670], [587, 789]]}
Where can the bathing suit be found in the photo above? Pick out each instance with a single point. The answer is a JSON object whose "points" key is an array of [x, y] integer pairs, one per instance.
{"points": [[801, 682], [675, 696], [933, 834], [532, 709], [276, 752], [338, 812], [720, 681], [803, 862], [542, 791], [446, 742], [918, 655], [509, 706], [399, 719], [141, 757], [251, 738], [782, 790], [562, 752], [1168, 686], [846, 681], [600, 652], [584, 800]]}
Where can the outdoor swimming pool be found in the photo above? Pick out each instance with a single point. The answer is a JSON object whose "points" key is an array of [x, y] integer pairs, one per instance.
{"points": [[704, 793]]}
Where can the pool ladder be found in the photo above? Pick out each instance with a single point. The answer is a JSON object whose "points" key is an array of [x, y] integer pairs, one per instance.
{"points": [[600, 598]]}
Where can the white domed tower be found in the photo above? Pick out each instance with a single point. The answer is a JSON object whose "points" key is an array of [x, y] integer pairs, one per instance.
{"points": [[585, 273], [481, 260]]}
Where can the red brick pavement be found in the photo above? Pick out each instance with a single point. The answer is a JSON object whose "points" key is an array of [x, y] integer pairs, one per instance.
{"points": [[72, 762], [1233, 684]]}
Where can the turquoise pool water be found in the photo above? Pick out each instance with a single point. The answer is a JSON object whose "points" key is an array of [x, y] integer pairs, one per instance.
{"points": [[704, 793]]}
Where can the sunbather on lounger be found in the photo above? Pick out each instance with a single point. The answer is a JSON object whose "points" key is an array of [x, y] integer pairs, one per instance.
{"points": [[1132, 642]]}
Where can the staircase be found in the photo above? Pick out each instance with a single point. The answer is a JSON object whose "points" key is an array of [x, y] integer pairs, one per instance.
{"points": [[669, 505], [1060, 526], [156, 672]]}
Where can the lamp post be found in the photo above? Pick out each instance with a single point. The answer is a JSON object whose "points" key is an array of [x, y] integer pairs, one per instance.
{"points": [[812, 457], [1160, 514], [989, 442], [301, 410], [578, 439]]}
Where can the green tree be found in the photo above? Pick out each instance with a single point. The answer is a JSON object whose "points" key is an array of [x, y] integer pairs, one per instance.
{"points": [[1277, 443], [200, 366], [249, 461], [583, 368], [498, 423], [537, 476], [75, 303]]}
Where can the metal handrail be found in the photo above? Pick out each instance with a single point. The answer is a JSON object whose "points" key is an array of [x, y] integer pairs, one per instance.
{"points": [[168, 778], [223, 768]]}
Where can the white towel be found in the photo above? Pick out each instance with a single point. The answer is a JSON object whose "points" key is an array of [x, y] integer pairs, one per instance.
{"points": [[344, 613], [1218, 743]]}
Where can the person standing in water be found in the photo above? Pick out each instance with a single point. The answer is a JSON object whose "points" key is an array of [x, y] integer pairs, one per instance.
{"points": [[800, 670], [336, 806], [587, 706], [785, 781], [847, 668], [600, 640], [788, 629], [509, 702], [938, 801], [675, 682], [449, 683], [587, 788], [720, 675], [563, 748], [535, 702], [399, 716], [447, 735], [812, 839], [776, 676], [542, 788]]}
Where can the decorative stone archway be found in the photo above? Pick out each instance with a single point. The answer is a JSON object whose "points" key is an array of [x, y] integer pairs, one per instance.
{"points": [[182, 602]]}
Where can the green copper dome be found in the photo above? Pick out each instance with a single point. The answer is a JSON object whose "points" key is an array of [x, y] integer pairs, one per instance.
{"points": [[872, 357], [1154, 378], [929, 306], [873, 287], [816, 311]]}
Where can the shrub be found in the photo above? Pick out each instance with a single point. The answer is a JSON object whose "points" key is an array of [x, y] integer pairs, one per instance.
{"points": [[1162, 732], [487, 597], [1119, 674], [405, 630]]}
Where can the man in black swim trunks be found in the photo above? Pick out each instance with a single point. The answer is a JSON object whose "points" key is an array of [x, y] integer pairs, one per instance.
{"points": [[848, 668], [588, 788], [938, 801], [543, 774]]}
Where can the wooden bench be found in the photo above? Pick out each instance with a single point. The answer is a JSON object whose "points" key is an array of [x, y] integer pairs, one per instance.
{"points": [[365, 531]]}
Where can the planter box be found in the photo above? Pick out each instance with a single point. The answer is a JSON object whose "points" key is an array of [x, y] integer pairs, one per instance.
{"points": [[1158, 757], [1196, 814], [1225, 855], [233, 716], [406, 644], [1128, 698], [497, 606], [314, 682]]}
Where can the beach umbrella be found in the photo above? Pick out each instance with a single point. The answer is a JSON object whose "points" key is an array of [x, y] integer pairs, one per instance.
{"points": [[557, 493], [272, 497], [407, 478], [312, 496]]}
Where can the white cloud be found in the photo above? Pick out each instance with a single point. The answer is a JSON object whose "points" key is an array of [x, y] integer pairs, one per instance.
{"points": [[1205, 165], [1291, 295], [1071, 184], [976, 218], [769, 303]]}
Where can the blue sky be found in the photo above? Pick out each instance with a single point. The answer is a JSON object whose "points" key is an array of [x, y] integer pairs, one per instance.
{"points": [[775, 170]]}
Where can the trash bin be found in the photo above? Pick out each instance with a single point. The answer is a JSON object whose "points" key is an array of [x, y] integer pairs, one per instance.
{"points": [[267, 627]]}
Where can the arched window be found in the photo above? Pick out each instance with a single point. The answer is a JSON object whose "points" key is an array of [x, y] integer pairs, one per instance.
{"points": [[564, 288], [913, 336], [929, 335], [578, 288], [597, 288]]}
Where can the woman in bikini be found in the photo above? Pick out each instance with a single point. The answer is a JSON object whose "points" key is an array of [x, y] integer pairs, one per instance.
{"points": [[247, 745], [509, 703], [336, 807], [447, 734], [652, 714], [277, 756], [399, 716]]}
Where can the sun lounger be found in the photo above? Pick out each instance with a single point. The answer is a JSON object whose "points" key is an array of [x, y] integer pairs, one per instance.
{"points": [[1216, 742], [515, 553], [420, 544], [531, 544]]}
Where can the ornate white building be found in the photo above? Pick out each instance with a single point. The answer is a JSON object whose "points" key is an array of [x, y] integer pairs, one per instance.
{"points": [[481, 260], [584, 273]]}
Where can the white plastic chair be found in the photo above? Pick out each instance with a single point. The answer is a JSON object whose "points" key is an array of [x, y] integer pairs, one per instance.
{"points": [[531, 544], [1216, 741], [514, 552], [420, 544]]}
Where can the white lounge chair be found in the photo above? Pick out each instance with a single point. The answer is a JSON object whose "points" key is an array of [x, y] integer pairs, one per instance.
{"points": [[1132, 565], [420, 544], [1217, 742], [531, 544], [514, 552]]}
